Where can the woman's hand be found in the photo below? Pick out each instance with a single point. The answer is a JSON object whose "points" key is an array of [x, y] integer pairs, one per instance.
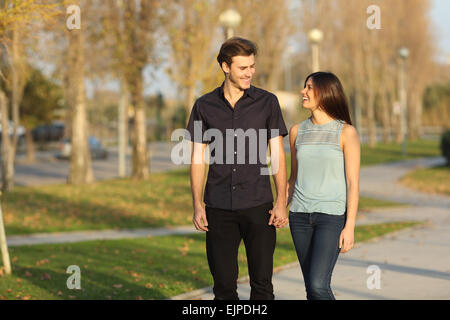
{"points": [[346, 239]]}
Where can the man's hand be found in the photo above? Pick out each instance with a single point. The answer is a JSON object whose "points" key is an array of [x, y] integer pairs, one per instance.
{"points": [[279, 217], [199, 220]]}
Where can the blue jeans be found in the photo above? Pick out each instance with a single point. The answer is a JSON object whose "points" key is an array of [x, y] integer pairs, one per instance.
{"points": [[316, 240]]}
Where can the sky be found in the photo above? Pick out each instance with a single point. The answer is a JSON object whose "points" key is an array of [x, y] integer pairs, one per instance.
{"points": [[440, 14]]}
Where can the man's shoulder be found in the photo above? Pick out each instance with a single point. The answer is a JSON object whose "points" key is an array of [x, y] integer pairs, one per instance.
{"points": [[259, 92], [214, 94]]}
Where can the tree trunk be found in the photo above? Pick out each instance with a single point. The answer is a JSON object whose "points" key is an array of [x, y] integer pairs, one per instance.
{"points": [[7, 152], [4, 245], [31, 155], [17, 85], [190, 101], [140, 156], [123, 127], [385, 116], [371, 126], [80, 157]]}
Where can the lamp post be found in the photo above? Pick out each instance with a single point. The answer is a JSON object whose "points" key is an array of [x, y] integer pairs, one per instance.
{"points": [[288, 69], [403, 52], [315, 37], [230, 19]]}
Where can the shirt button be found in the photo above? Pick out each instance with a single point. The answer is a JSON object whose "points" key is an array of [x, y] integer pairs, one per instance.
{"points": [[234, 188], [234, 169], [235, 152]]}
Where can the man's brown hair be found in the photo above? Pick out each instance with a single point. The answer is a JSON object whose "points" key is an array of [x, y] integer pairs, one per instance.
{"points": [[235, 47]]}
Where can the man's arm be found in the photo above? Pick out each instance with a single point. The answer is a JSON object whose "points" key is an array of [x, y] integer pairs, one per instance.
{"points": [[279, 216], [198, 167]]}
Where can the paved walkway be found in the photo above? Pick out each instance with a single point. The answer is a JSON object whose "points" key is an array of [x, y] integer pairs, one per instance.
{"points": [[414, 263]]}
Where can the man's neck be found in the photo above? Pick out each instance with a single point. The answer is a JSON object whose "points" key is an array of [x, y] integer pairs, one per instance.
{"points": [[231, 93]]}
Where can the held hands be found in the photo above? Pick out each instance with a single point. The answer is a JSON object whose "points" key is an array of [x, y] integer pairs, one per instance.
{"points": [[346, 239], [279, 217]]}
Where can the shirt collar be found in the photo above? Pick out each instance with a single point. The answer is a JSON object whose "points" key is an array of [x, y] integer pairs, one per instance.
{"points": [[247, 92]]}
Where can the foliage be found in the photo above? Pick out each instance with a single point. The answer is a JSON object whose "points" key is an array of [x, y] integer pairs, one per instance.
{"points": [[41, 98]]}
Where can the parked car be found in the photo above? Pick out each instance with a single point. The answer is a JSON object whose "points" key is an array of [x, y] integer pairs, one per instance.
{"points": [[95, 146], [48, 132]]}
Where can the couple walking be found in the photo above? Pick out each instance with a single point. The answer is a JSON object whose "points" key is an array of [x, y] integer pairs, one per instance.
{"points": [[322, 189]]}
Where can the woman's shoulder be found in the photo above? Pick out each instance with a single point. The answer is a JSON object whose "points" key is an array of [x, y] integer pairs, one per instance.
{"points": [[348, 129], [349, 132], [294, 129], [301, 125]]}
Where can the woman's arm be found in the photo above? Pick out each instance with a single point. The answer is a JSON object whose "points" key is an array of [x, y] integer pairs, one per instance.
{"points": [[294, 165], [352, 157]]}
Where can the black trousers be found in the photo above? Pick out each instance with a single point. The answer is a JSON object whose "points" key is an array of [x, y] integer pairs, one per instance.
{"points": [[226, 230]]}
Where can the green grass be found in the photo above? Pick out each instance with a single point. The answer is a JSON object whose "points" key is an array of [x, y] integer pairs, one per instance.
{"points": [[383, 153], [432, 180], [163, 200], [144, 268]]}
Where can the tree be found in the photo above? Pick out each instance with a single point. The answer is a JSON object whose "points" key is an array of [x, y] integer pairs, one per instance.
{"points": [[80, 157], [41, 98], [270, 29], [367, 60], [191, 27], [16, 17], [132, 25]]}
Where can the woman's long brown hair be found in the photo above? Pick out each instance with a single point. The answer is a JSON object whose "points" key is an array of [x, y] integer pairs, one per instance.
{"points": [[331, 96]]}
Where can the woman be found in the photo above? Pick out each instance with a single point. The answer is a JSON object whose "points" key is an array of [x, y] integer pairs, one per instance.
{"points": [[323, 188]]}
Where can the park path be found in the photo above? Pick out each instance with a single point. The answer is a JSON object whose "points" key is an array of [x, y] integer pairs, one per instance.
{"points": [[414, 263]]}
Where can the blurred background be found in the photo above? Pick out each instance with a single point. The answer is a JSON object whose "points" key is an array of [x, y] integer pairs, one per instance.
{"points": [[116, 75]]}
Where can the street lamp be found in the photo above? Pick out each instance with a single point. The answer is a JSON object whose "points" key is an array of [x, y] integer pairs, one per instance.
{"points": [[315, 37], [403, 52], [288, 70], [230, 19]]}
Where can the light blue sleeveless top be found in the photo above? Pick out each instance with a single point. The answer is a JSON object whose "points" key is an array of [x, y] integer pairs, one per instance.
{"points": [[321, 185]]}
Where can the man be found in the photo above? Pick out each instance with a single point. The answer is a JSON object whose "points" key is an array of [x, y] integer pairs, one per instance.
{"points": [[238, 196]]}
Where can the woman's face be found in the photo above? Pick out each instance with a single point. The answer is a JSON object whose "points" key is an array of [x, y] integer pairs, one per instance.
{"points": [[308, 96]]}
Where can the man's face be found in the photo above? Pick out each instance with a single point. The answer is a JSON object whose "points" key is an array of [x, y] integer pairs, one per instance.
{"points": [[241, 71]]}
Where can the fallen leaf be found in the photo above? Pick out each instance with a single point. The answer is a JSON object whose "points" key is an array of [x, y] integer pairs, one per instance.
{"points": [[117, 286], [45, 276], [149, 285], [41, 262], [28, 274]]}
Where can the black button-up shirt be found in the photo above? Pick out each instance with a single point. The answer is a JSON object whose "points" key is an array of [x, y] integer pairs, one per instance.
{"points": [[231, 184]]}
